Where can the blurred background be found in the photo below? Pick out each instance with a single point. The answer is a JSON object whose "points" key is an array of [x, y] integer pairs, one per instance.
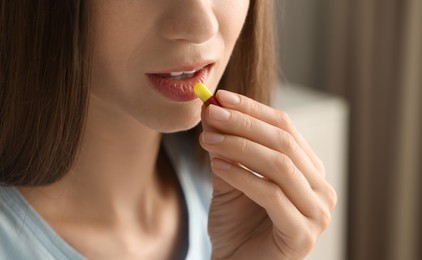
{"points": [[352, 83]]}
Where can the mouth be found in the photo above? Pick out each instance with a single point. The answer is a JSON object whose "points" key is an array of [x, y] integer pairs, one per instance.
{"points": [[177, 84]]}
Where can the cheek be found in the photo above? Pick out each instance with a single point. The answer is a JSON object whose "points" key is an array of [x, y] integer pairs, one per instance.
{"points": [[231, 15], [119, 29], [117, 36]]}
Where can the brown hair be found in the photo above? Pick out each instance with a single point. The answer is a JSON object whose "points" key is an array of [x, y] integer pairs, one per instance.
{"points": [[43, 88], [44, 82]]}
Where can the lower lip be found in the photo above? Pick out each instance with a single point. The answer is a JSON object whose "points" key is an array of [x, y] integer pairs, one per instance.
{"points": [[179, 90]]}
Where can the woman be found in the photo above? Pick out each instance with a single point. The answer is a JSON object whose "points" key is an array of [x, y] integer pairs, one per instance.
{"points": [[96, 159]]}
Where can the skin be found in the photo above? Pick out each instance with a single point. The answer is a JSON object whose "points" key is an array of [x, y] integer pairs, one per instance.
{"points": [[282, 211], [113, 198]]}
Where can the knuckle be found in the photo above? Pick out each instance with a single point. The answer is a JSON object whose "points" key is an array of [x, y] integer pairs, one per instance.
{"points": [[324, 219], [329, 195], [275, 195], [302, 242], [243, 145], [287, 142], [285, 165], [309, 242], [283, 120], [332, 197], [246, 123], [306, 239], [255, 108]]}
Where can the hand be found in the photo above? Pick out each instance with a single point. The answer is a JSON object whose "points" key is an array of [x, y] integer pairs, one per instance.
{"points": [[270, 199]]}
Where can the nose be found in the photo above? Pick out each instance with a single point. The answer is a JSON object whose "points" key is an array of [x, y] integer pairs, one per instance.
{"points": [[189, 20]]}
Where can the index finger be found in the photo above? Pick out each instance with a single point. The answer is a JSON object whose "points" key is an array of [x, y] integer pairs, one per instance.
{"points": [[269, 115]]}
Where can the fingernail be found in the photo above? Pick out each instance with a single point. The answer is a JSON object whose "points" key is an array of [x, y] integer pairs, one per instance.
{"points": [[219, 113], [220, 165], [228, 97], [212, 138]]}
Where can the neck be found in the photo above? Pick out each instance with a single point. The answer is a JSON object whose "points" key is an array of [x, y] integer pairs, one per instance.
{"points": [[115, 172]]}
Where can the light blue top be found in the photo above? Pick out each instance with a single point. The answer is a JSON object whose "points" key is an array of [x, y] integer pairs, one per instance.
{"points": [[25, 235]]}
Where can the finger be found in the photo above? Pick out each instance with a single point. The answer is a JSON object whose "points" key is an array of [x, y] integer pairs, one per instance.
{"points": [[266, 162], [207, 127], [270, 115], [327, 195], [282, 212], [236, 123]]}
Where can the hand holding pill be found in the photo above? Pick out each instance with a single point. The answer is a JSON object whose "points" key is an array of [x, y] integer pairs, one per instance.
{"points": [[271, 199]]}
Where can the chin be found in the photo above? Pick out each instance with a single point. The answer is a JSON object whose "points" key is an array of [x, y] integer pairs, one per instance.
{"points": [[175, 120], [178, 127]]}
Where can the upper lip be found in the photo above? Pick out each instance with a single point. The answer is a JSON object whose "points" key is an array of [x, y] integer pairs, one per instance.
{"points": [[180, 68]]}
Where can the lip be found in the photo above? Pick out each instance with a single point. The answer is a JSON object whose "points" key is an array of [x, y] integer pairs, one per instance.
{"points": [[179, 90]]}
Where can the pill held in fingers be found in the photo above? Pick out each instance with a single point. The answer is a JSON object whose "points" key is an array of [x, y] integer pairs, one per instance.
{"points": [[205, 94]]}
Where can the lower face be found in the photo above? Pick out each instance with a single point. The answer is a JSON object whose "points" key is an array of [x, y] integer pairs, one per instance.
{"points": [[148, 55]]}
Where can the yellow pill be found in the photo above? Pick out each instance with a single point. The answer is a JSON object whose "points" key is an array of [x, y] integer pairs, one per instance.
{"points": [[202, 91]]}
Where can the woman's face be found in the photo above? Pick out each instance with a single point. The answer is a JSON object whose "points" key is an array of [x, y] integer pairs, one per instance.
{"points": [[141, 47]]}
